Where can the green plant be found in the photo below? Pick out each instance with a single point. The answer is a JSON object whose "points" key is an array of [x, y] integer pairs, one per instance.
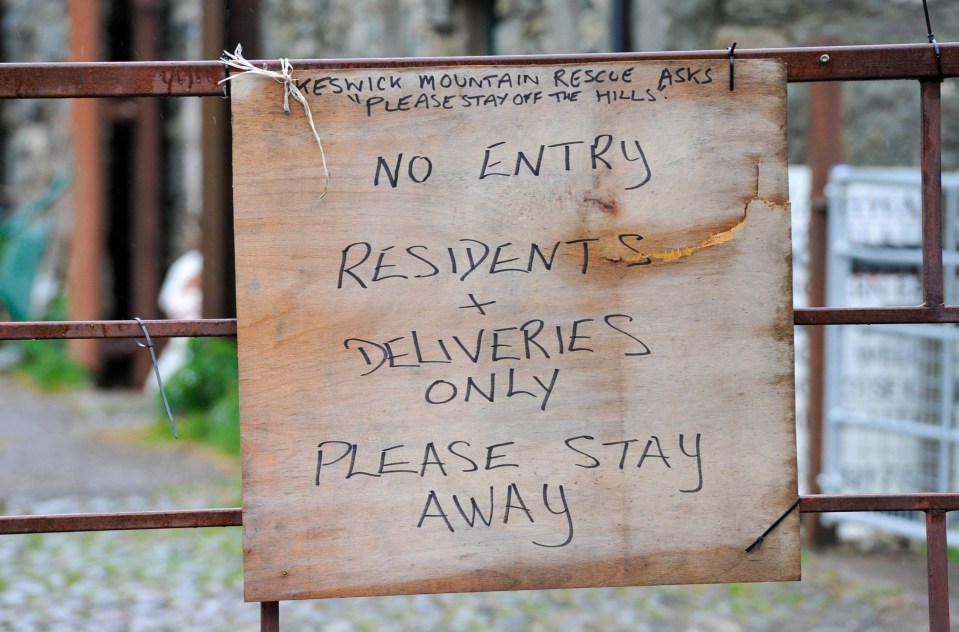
{"points": [[952, 553], [204, 395], [47, 364]]}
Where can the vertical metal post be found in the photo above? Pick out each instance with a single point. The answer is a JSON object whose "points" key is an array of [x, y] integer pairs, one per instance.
{"points": [[937, 570], [269, 616], [933, 291], [932, 275], [85, 259], [824, 149]]}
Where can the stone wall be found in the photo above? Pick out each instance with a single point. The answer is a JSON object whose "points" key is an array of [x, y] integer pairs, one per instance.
{"points": [[391, 28], [36, 143], [881, 119], [36, 131]]}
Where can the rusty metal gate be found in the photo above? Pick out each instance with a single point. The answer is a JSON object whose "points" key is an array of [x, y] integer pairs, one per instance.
{"points": [[854, 63]]}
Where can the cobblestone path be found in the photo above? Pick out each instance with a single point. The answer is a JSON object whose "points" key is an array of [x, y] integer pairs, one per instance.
{"points": [[84, 452]]}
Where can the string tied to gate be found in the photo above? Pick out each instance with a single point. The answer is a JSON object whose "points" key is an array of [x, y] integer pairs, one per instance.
{"points": [[732, 66], [759, 541], [284, 76], [932, 40], [156, 371]]}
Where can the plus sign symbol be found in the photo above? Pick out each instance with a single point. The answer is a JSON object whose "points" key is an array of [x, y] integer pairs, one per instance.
{"points": [[475, 304]]}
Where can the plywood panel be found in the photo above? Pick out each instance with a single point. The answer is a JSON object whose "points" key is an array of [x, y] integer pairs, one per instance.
{"points": [[537, 334]]}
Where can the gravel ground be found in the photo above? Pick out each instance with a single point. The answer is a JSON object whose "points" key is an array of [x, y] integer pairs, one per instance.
{"points": [[193, 580]]}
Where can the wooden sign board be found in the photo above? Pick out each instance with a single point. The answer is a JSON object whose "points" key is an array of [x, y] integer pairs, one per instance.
{"points": [[537, 334]]}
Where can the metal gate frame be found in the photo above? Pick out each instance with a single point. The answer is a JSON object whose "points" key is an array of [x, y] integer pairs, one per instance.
{"points": [[832, 63]]}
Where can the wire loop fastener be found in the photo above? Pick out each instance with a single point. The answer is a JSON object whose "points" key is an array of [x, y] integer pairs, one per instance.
{"points": [[759, 541], [732, 66], [932, 40], [156, 371]]}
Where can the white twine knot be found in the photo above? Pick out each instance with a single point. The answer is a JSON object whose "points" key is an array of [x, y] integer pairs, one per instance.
{"points": [[285, 76]]}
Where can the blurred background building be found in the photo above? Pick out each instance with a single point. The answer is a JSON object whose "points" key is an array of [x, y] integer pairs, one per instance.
{"points": [[131, 184], [100, 197]]}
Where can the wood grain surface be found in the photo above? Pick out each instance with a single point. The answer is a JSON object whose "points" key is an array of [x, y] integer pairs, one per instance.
{"points": [[537, 334]]}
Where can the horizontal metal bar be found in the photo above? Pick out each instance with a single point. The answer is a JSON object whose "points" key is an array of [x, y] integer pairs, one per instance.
{"points": [[232, 517], [879, 502], [117, 329], [111, 79], [200, 78], [179, 519], [875, 315], [227, 326]]}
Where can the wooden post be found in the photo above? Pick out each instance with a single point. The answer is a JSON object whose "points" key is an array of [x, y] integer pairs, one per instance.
{"points": [[84, 267]]}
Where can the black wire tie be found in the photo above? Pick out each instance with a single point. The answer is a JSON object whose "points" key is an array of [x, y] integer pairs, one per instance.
{"points": [[759, 541], [932, 40], [732, 66]]}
